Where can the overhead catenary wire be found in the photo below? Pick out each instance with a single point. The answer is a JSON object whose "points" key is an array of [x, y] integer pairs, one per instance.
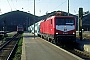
{"points": [[28, 6], [60, 4], [9, 5], [39, 9], [16, 0], [13, 4], [48, 5], [50, 1], [56, 6]]}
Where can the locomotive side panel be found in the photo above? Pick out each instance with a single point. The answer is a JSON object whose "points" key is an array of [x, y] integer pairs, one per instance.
{"points": [[41, 28], [52, 26]]}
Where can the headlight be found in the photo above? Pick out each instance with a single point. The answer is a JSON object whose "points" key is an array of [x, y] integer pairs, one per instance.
{"points": [[73, 33], [57, 33]]}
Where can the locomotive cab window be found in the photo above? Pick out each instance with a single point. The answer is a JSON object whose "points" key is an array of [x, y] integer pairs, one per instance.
{"points": [[69, 21], [64, 21], [60, 21]]}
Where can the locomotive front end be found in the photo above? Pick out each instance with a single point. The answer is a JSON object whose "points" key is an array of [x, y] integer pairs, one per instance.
{"points": [[65, 29]]}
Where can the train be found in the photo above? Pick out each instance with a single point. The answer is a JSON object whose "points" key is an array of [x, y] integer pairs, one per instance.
{"points": [[20, 29], [37, 28], [58, 29]]}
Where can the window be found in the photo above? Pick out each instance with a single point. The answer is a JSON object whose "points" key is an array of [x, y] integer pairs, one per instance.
{"points": [[64, 21], [69, 21], [51, 21], [60, 21]]}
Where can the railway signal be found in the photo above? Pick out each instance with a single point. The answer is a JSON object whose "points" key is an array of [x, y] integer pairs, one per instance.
{"points": [[80, 22]]}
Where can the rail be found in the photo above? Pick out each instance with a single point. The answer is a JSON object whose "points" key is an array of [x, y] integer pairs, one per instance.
{"points": [[8, 47]]}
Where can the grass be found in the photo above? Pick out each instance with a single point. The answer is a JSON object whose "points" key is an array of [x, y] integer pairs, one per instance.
{"points": [[9, 35], [19, 50]]}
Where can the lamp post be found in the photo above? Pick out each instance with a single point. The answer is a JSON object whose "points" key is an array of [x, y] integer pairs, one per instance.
{"points": [[34, 18]]}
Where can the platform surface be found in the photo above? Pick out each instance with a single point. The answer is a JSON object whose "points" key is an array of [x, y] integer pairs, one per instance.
{"points": [[38, 49]]}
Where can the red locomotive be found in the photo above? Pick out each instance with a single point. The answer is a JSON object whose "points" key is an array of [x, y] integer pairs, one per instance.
{"points": [[59, 29], [20, 29]]}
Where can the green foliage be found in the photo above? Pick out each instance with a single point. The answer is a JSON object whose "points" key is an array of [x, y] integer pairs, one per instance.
{"points": [[9, 35], [4, 39], [19, 49], [15, 58], [20, 42]]}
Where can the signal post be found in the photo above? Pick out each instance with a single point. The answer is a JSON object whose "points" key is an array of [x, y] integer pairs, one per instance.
{"points": [[80, 22]]}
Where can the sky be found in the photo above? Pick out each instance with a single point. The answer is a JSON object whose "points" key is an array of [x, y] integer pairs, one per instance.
{"points": [[43, 6]]}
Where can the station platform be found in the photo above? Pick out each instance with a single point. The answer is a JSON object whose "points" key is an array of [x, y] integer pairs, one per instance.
{"points": [[39, 49]]}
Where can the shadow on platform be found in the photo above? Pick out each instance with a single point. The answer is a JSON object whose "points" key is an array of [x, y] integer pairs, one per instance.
{"points": [[83, 45]]}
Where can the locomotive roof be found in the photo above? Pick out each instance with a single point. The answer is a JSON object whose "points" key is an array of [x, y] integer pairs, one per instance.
{"points": [[57, 16]]}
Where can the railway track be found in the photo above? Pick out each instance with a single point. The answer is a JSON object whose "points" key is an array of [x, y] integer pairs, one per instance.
{"points": [[8, 47], [83, 54]]}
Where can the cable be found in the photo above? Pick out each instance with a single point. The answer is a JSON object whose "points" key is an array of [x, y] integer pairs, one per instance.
{"points": [[60, 4], [13, 4], [49, 3], [28, 6], [9, 5], [46, 5]]}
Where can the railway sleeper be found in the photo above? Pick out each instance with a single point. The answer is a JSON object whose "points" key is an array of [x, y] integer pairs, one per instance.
{"points": [[6, 51], [2, 57], [10, 45], [84, 53], [7, 48]]}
